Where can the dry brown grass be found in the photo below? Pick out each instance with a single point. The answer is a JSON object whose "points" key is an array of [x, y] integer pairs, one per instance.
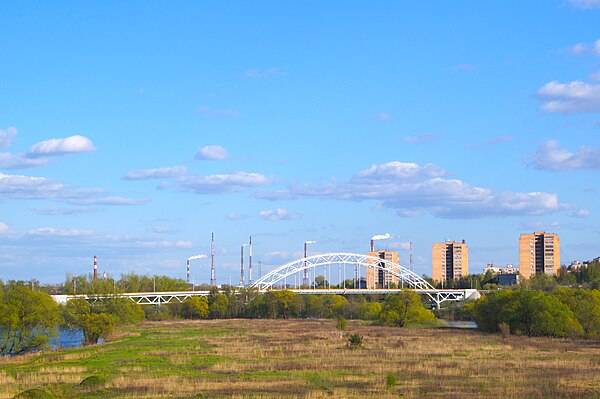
{"points": [[307, 359]]}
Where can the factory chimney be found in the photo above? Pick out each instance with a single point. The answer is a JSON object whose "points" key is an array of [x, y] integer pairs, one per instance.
{"points": [[212, 260], [188, 271], [242, 267], [372, 245], [250, 262], [95, 267]]}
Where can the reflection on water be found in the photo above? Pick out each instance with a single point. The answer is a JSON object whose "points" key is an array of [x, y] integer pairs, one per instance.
{"points": [[68, 338]]}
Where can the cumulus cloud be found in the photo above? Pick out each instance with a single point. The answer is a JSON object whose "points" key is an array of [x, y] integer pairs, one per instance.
{"points": [[412, 189], [585, 3], [18, 161], [421, 138], [278, 214], [68, 145], [552, 156], [575, 96], [212, 152], [382, 116], [6, 136], [30, 187], [3, 228], [222, 183], [207, 111], [159, 173], [584, 48]]}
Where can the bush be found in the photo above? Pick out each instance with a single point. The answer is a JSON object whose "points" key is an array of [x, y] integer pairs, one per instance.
{"points": [[34, 394], [92, 381], [355, 341], [390, 381]]}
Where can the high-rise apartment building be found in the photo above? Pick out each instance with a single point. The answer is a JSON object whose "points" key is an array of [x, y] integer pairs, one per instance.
{"points": [[449, 260], [378, 278], [539, 253]]}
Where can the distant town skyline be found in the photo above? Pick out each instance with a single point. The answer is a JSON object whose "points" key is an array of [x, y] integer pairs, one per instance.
{"points": [[133, 131]]}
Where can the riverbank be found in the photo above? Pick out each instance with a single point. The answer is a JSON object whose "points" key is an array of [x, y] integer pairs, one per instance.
{"points": [[307, 358]]}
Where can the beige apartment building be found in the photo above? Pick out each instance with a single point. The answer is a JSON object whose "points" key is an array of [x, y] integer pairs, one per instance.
{"points": [[378, 278], [449, 260], [539, 253]]}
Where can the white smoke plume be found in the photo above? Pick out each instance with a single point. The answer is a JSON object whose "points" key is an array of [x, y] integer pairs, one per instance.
{"points": [[197, 257], [310, 242], [378, 237]]}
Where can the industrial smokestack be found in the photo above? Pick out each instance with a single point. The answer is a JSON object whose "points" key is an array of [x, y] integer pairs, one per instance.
{"points": [[95, 267], [242, 267], [379, 237], [104, 275], [305, 279], [250, 262], [212, 260], [188, 271], [202, 256]]}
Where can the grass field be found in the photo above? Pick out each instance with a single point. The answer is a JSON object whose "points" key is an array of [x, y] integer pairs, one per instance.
{"points": [[307, 359]]}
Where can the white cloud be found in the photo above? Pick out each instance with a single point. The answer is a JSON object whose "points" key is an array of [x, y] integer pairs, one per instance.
{"points": [[575, 96], [54, 211], [159, 173], [404, 170], [552, 156], [411, 189], [160, 229], [278, 214], [580, 213], [51, 231], [222, 183], [6, 136], [68, 145], [29, 187], [584, 49], [236, 216], [421, 138], [207, 111], [3, 228], [18, 161], [212, 152], [585, 3]]}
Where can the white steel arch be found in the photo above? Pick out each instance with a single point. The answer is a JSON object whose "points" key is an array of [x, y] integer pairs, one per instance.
{"points": [[407, 277]]}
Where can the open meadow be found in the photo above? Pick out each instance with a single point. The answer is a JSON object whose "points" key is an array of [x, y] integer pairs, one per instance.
{"points": [[307, 359]]}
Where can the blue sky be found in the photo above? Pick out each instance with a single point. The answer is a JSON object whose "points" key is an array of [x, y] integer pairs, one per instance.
{"points": [[132, 131]]}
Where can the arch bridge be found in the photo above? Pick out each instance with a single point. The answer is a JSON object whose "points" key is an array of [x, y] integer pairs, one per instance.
{"points": [[407, 279]]}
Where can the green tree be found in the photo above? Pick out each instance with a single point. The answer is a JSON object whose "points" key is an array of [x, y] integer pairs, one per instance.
{"points": [[78, 313], [217, 306], [585, 305], [28, 319], [196, 308], [404, 308]]}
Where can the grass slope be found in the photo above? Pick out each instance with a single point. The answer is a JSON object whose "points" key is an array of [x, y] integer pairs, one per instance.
{"points": [[307, 359]]}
